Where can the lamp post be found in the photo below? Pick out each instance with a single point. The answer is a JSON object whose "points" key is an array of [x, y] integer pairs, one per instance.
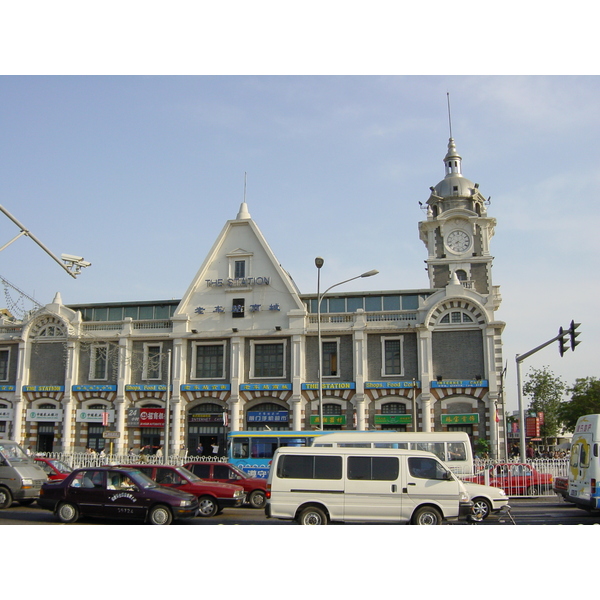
{"points": [[319, 263]]}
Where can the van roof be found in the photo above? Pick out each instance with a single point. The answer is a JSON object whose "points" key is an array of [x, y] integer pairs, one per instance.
{"points": [[354, 451], [394, 435]]}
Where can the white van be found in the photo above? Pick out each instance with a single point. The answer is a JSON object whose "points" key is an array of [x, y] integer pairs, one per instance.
{"points": [[317, 485], [20, 477], [584, 468]]}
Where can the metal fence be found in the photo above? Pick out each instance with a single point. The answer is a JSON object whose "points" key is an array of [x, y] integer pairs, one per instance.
{"points": [[85, 459], [533, 478]]}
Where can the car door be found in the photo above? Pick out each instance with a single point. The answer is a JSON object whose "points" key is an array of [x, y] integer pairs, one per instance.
{"points": [[427, 481], [88, 491], [124, 499], [373, 489]]}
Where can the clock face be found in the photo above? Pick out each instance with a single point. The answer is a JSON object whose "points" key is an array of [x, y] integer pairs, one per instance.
{"points": [[458, 241]]}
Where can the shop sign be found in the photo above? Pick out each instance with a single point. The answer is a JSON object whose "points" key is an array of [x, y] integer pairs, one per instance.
{"points": [[532, 427], [146, 388], [390, 385], [94, 388], [145, 417], [43, 388], [46, 415], [393, 419], [460, 383], [7, 388], [265, 386], [111, 435], [267, 416], [206, 387], [328, 420], [94, 416], [466, 419], [6, 414], [343, 385], [205, 418]]}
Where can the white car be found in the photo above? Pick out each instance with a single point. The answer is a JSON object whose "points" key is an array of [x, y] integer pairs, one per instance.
{"points": [[486, 500]]}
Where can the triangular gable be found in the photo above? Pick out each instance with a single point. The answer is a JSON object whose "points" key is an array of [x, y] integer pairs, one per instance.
{"points": [[267, 291]]}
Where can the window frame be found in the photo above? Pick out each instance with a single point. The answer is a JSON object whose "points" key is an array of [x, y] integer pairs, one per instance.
{"points": [[145, 371], [253, 372], [335, 341], [395, 338], [194, 366], [93, 372], [7, 350]]}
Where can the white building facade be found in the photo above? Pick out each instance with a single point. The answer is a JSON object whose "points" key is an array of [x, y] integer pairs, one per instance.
{"points": [[240, 349]]}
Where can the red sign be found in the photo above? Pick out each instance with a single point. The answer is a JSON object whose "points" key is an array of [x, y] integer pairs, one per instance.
{"points": [[152, 417], [532, 427]]}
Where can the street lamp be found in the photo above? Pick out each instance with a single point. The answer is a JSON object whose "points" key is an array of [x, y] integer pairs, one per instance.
{"points": [[319, 262]]}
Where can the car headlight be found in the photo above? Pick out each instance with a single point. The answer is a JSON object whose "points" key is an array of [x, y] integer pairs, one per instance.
{"points": [[185, 503], [502, 492], [464, 497], [26, 483], [238, 493]]}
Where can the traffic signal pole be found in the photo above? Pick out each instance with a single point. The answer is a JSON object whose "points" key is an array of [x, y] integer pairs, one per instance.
{"points": [[561, 337]]}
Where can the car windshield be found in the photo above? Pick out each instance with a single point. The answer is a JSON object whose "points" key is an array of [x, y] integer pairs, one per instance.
{"points": [[60, 466], [12, 452]]}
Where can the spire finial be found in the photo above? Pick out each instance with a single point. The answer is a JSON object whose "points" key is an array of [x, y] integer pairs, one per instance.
{"points": [[243, 212], [449, 114]]}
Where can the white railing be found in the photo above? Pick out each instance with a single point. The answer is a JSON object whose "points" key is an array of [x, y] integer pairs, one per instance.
{"points": [[85, 459]]}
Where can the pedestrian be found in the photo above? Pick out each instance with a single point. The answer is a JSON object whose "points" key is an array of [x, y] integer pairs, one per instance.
{"points": [[199, 449], [215, 447], [144, 453], [159, 452]]}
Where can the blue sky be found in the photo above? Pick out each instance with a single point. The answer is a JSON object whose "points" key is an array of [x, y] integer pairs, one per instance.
{"points": [[139, 174]]}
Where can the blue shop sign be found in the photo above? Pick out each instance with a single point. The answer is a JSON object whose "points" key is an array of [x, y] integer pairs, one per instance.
{"points": [[270, 416]]}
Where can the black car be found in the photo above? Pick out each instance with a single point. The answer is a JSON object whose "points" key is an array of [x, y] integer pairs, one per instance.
{"points": [[115, 493]]}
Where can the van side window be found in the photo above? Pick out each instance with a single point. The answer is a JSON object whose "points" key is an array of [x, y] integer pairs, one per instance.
{"points": [[426, 468], [373, 468], [303, 466]]}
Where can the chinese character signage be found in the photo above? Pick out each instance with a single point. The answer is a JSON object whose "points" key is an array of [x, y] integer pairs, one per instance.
{"points": [[328, 420], [94, 416], [44, 415], [270, 416], [466, 419], [145, 417], [393, 419]]}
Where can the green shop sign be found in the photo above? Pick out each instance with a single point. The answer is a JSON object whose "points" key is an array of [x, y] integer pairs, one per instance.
{"points": [[467, 419], [393, 419], [330, 420]]}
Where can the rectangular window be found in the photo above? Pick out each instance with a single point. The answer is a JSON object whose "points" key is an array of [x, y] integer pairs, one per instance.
{"points": [[152, 361], [330, 359], [373, 468], [237, 308], [239, 269], [209, 361], [392, 356], [4, 363], [269, 360], [99, 361], [297, 466]]}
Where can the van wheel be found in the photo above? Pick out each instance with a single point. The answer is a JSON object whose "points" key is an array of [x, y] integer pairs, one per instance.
{"points": [[160, 515], [67, 513], [207, 506], [6, 498], [312, 516], [257, 499], [427, 515], [481, 509]]}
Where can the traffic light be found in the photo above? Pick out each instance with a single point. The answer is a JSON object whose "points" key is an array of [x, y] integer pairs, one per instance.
{"points": [[574, 334], [562, 341]]}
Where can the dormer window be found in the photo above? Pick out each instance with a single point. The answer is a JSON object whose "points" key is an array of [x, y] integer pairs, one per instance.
{"points": [[239, 271]]}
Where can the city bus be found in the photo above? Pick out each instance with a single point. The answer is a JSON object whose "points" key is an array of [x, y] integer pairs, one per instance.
{"points": [[453, 448], [252, 451]]}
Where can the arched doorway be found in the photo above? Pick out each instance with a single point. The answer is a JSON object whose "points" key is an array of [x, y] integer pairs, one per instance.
{"points": [[206, 430]]}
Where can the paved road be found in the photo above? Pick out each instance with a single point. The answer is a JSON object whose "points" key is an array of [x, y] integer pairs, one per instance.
{"points": [[542, 511]]}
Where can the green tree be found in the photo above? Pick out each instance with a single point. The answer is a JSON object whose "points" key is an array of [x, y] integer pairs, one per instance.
{"points": [[585, 400], [546, 392]]}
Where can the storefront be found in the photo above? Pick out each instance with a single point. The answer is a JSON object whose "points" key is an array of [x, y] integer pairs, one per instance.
{"points": [[206, 430]]}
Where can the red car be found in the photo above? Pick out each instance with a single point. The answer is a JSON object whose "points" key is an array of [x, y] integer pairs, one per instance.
{"points": [[516, 479], [212, 496], [54, 468], [255, 488]]}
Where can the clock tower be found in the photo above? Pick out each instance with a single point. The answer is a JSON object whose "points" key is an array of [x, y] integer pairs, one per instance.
{"points": [[457, 231]]}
